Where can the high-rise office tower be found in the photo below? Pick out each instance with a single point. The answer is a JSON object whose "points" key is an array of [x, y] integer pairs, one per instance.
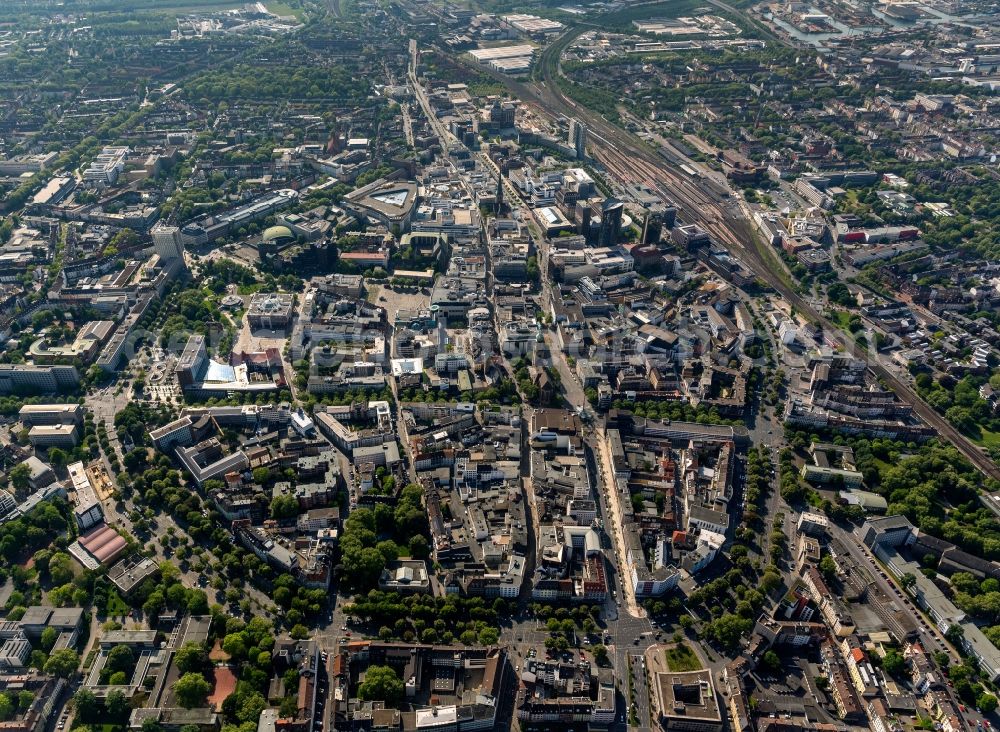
{"points": [[578, 138]]}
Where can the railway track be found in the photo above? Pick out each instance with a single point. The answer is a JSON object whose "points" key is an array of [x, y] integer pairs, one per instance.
{"points": [[632, 161], [629, 156]]}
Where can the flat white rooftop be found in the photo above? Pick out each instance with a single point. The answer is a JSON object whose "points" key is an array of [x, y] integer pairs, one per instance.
{"points": [[492, 54], [392, 198]]}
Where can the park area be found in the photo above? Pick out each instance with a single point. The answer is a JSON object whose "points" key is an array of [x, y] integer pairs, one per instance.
{"points": [[680, 657]]}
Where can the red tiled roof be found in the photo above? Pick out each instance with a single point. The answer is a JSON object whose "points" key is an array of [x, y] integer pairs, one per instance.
{"points": [[103, 543]]}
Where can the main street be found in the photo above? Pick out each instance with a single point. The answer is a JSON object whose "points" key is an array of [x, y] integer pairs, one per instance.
{"points": [[625, 631]]}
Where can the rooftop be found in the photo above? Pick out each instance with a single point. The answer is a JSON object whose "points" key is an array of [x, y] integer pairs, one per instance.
{"points": [[687, 696]]}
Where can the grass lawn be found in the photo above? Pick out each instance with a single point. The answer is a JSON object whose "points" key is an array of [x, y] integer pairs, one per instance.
{"points": [[115, 606], [279, 8], [682, 658], [774, 262], [841, 318], [485, 87], [986, 438], [89, 660], [180, 7], [882, 465]]}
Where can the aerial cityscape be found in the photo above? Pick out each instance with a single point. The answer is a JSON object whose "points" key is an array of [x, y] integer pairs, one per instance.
{"points": [[452, 365]]}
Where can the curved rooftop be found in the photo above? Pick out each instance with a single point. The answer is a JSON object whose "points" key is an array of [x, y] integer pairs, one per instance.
{"points": [[275, 233]]}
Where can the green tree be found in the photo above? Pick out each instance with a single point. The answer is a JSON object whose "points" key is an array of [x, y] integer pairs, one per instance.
{"points": [[381, 684], [191, 657], [284, 506], [120, 658], [894, 663], [62, 662], [154, 603], [235, 644], [24, 699], [600, 655], [771, 662], [197, 602], [58, 457], [191, 690], [955, 634], [419, 547], [828, 567], [7, 707], [61, 568], [728, 630], [249, 707], [48, 639], [964, 689], [389, 550], [151, 725], [20, 475], [986, 703], [117, 705], [85, 704], [468, 638], [41, 559]]}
